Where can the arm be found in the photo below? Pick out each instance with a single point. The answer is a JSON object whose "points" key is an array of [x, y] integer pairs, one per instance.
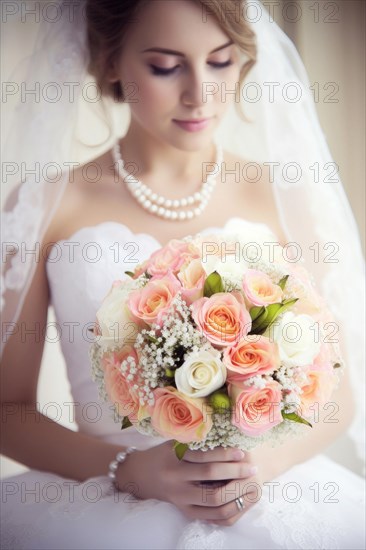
{"points": [[27, 435]]}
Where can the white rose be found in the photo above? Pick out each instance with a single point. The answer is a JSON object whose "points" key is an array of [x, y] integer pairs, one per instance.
{"points": [[201, 374], [114, 319], [232, 266], [295, 338]]}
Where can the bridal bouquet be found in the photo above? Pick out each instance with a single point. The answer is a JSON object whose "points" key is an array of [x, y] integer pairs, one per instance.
{"points": [[212, 342]]}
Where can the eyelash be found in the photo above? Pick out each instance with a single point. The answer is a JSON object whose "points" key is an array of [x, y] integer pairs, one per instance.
{"points": [[166, 72]]}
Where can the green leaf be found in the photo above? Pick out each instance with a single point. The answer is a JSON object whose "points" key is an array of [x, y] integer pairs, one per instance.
{"points": [[213, 285], [180, 449], [283, 281], [293, 417], [130, 273], [125, 423], [259, 322], [256, 311], [273, 310]]}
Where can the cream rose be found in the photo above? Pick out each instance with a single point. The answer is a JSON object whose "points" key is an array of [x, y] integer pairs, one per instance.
{"points": [[116, 326], [200, 374], [296, 339]]}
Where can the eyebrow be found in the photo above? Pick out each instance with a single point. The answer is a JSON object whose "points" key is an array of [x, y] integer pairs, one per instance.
{"points": [[173, 52]]}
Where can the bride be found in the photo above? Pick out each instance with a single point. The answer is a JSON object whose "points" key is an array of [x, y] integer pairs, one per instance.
{"points": [[177, 65]]}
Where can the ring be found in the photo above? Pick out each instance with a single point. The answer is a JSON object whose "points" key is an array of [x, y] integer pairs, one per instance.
{"points": [[240, 503]]}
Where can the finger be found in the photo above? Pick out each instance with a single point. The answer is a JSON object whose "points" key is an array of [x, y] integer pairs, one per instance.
{"points": [[226, 514], [219, 454], [216, 496], [216, 471]]}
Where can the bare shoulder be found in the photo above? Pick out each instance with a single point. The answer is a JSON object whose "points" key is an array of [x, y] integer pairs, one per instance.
{"points": [[81, 191]]}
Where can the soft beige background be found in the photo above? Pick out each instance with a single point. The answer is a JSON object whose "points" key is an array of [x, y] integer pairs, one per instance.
{"points": [[333, 50]]}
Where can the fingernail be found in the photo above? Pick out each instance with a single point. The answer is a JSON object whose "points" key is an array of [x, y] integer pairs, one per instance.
{"points": [[238, 454], [253, 470]]}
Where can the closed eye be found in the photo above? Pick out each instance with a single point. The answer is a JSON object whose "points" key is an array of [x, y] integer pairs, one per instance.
{"points": [[159, 71]]}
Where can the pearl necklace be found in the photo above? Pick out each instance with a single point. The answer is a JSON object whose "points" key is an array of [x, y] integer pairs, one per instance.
{"points": [[159, 205]]}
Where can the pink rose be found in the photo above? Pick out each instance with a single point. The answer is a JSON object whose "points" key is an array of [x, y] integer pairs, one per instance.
{"points": [[222, 318], [256, 410], [259, 289], [176, 416], [118, 389], [317, 389], [171, 257], [252, 355], [323, 361], [152, 301], [192, 276]]}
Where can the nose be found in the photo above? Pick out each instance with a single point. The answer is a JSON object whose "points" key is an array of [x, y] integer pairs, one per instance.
{"points": [[193, 94]]}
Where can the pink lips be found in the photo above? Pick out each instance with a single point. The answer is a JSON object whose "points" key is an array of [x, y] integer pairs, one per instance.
{"points": [[193, 125]]}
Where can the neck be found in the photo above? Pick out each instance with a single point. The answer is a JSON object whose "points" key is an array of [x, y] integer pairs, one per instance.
{"points": [[160, 165]]}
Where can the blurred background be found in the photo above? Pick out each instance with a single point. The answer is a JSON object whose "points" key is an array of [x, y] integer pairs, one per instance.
{"points": [[330, 37]]}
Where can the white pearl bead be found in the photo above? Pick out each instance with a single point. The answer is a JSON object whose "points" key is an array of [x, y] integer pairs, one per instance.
{"points": [[155, 203]]}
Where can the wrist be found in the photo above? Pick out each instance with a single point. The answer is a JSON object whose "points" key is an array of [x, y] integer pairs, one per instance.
{"points": [[118, 468]]}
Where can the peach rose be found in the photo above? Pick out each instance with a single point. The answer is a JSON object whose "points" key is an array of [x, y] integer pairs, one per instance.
{"points": [[318, 389], [118, 389], [192, 276], [256, 410], [252, 355], [176, 416], [171, 257], [222, 318], [259, 289], [151, 302]]}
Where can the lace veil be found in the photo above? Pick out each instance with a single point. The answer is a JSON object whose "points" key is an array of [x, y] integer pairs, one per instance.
{"points": [[284, 133]]}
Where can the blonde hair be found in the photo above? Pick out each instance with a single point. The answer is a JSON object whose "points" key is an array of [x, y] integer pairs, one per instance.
{"points": [[108, 22]]}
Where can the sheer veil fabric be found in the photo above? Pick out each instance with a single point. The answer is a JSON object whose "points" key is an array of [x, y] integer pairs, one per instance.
{"points": [[283, 133]]}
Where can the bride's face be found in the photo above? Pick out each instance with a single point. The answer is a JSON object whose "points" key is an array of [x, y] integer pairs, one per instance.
{"points": [[192, 80]]}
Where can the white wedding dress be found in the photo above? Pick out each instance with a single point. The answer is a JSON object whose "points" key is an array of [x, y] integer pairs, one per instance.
{"points": [[317, 504]]}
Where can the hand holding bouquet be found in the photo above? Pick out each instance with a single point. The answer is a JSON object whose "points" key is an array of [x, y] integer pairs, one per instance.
{"points": [[211, 342]]}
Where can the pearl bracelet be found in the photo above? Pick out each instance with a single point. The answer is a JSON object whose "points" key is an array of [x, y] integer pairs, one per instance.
{"points": [[120, 457]]}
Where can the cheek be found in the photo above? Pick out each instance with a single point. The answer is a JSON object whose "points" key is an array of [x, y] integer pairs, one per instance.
{"points": [[152, 94]]}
